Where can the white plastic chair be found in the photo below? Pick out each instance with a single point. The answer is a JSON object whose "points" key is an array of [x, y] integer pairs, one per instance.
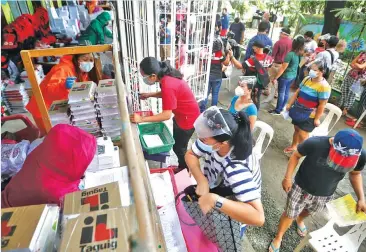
{"points": [[265, 130], [360, 119], [327, 239], [323, 129]]}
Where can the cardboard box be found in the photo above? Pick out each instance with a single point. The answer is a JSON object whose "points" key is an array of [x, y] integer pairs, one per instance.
{"points": [[105, 230], [97, 198], [29, 228]]}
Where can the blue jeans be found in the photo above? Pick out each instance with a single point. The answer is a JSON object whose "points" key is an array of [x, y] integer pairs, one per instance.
{"points": [[283, 92], [214, 86]]}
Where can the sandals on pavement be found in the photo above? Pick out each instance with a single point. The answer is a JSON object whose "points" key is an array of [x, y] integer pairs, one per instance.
{"points": [[289, 150], [302, 232], [272, 248]]}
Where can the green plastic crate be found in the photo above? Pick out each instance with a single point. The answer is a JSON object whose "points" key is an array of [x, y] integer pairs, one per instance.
{"points": [[156, 129]]}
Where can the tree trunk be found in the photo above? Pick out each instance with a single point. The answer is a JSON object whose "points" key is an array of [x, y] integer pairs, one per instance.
{"points": [[332, 23]]}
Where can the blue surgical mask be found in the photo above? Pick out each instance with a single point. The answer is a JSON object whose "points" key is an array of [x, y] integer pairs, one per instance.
{"points": [[206, 147], [86, 66], [312, 74], [148, 81]]}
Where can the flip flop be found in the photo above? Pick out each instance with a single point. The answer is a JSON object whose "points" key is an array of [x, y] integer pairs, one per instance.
{"points": [[272, 248], [352, 124], [288, 150], [349, 119], [302, 232]]}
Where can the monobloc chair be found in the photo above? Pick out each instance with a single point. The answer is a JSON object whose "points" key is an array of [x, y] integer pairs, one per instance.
{"points": [[264, 130], [360, 119], [324, 128], [326, 239]]}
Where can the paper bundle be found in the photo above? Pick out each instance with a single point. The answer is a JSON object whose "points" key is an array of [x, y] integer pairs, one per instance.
{"points": [[83, 113], [29, 228], [16, 98], [58, 112], [107, 103], [107, 155]]}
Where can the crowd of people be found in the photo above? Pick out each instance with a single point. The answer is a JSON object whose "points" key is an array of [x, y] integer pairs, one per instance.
{"points": [[224, 137]]}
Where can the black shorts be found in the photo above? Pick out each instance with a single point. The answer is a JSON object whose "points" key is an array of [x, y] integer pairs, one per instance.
{"points": [[307, 125]]}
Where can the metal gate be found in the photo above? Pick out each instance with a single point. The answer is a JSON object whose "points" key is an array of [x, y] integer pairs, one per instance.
{"points": [[142, 25]]}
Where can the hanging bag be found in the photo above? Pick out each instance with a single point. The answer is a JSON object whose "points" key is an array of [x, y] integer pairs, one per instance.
{"points": [[218, 227], [299, 112]]}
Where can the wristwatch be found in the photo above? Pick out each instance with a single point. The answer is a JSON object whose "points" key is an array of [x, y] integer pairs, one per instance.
{"points": [[219, 202]]}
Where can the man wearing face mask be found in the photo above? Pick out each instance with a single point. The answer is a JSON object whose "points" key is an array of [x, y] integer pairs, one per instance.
{"points": [[58, 82], [327, 161], [96, 31], [178, 99]]}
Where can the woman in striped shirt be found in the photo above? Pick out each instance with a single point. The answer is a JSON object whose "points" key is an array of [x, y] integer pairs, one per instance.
{"points": [[225, 143]]}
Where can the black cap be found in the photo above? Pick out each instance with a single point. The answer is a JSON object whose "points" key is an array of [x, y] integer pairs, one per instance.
{"points": [[333, 41], [258, 44], [286, 31]]}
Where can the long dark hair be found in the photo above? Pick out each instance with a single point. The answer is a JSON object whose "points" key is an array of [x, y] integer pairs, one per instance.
{"points": [[150, 65], [298, 44], [241, 138]]}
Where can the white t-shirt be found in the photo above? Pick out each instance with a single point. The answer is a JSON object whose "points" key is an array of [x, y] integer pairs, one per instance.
{"points": [[311, 45], [242, 176], [327, 58]]}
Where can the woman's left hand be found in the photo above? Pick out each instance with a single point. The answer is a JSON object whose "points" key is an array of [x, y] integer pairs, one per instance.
{"points": [[135, 118], [316, 122], [207, 202]]}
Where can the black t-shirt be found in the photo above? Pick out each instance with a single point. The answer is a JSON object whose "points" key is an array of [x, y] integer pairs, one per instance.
{"points": [[237, 29], [314, 175]]}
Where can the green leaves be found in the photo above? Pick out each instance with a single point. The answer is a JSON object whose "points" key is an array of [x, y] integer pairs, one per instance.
{"points": [[352, 15]]}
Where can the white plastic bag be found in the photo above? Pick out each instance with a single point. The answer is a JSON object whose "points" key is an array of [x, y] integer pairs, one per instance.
{"points": [[357, 88], [13, 157]]}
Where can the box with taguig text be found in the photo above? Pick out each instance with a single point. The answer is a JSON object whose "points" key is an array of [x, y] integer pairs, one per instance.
{"points": [[105, 230], [29, 228], [97, 198]]}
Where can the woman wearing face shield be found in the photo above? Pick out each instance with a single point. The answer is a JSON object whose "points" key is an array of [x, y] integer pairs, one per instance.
{"points": [[58, 82], [177, 98], [229, 168], [242, 101]]}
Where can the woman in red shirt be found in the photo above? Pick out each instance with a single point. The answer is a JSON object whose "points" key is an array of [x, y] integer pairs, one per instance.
{"points": [[178, 99]]}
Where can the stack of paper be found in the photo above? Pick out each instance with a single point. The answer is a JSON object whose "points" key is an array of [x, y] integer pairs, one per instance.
{"points": [[107, 156], [16, 98], [39, 76], [107, 103], [58, 112], [82, 108]]}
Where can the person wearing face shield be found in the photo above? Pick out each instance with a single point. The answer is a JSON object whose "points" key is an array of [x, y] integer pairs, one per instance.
{"points": [[307, 104], [229, 168], [327, 161], [177, 98], [96, 31], [58, 82], [242, 101]]}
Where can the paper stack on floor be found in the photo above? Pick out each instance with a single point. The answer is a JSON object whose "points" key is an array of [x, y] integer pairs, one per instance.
{"points": [[29, 228], [16, 98], [82, 107], [58, 112], [107, 103]]}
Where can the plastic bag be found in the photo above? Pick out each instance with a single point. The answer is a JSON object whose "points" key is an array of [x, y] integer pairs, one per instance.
{"points": [[357, 88], [35, 144], [13, 157]]}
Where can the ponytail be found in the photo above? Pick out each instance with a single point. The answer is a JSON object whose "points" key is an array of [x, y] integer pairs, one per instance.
{"points": [[151, 65], [241, 138]]}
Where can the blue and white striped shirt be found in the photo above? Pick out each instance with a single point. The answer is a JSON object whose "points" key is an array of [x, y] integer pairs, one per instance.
{"points": [[242, 176]]}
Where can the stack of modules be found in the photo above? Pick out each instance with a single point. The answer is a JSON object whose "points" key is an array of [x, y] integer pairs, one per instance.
{"points": [[83, 113], [58, 112], [15, 98], [107, 104], [107, 156]]}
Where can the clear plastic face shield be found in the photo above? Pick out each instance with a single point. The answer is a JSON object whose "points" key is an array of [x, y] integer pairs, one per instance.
{"points": [[343, 159], [211, 123]]}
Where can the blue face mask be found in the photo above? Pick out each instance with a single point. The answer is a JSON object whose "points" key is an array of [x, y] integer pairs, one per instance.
{"points": [[86, 66], [312, 74], [148, 81], [205, 147]]}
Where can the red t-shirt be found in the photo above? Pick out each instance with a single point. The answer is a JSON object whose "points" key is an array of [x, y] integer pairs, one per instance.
{"points": [[178, 97], [264, 59]]}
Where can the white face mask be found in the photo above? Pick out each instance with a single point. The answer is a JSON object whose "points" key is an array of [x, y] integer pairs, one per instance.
{"points": [[239, 91], [206, 147], [86, 66], [148, 81], [312, 74]]}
